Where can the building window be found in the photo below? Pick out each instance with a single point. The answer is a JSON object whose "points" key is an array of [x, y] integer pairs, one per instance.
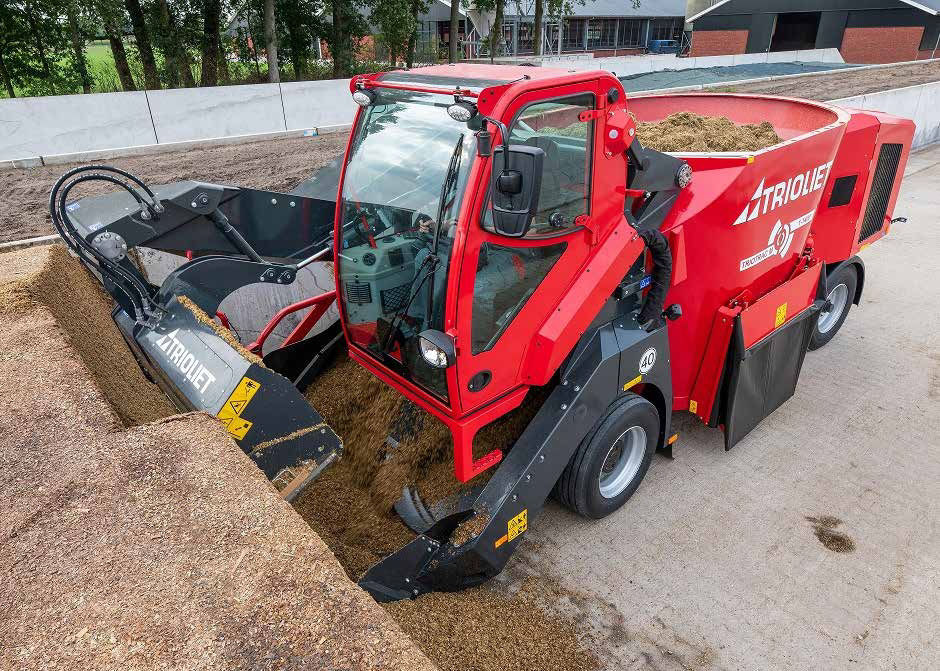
{"points": [[631, 33], [666, 29], [573, 39], [602, 34]]}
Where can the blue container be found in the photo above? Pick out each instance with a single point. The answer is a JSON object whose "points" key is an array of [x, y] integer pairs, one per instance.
{"points": [[664, 46]]}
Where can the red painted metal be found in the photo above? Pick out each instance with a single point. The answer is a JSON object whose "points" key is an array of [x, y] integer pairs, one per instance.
{"points": [[224, 319], [320, 305]]}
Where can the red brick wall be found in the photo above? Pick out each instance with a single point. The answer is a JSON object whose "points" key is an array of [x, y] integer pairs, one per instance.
{"points": [[881, 45], [719, 42], [929, 53]]}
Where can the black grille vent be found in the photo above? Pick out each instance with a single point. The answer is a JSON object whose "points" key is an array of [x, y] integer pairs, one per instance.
{"points": [[358, 293], [881, 187], [395, 298]]}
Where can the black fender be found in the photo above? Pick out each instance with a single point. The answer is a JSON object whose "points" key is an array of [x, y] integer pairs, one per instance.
{"points": [[860, 271]]}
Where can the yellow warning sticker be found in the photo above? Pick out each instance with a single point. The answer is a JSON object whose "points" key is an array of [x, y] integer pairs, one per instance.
{"points": [[632, 383], [693, 406], [781, 316], [518, 524], [231, 411]]}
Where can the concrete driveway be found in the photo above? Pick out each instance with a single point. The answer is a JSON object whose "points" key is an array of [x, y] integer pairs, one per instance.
{"points": [[713, 564]]}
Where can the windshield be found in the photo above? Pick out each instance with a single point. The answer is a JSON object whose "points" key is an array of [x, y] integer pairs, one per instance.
{"points": [[404, 183]]}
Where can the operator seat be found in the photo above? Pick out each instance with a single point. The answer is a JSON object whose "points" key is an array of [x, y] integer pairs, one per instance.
{"points": [[551, 196]]}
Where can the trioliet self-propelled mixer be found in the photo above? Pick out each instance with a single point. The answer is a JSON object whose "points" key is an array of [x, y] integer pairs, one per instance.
{"points": [[497, 229]]}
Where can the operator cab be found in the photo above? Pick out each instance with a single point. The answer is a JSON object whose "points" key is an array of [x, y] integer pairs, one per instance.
{"points": [[462, 215]]}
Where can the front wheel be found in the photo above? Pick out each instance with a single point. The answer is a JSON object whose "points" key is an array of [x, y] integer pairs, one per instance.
{"points": [[841, 285], [612, 459]]}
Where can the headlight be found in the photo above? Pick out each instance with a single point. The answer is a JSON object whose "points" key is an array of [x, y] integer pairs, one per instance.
{"points": [[437, 348], [433, 354], [363, 98]]}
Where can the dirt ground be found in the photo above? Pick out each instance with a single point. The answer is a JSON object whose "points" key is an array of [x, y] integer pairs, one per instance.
{"points": [[846, 83], [275, 165]]}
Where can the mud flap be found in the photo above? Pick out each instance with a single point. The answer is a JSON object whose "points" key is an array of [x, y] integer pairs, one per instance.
{"points": [[262, 410], [762, 377]]}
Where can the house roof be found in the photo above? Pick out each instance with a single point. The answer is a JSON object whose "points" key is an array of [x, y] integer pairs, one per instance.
{"points": [[648, 8], [929, 6]]}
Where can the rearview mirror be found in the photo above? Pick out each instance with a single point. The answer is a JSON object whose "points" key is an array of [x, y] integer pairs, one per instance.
{"points": [[515, 184]]}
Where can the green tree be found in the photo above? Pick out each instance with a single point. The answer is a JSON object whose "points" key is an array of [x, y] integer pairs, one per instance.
{"points": [[144, 47], [396, 23], [211, 20], [113, 18]]}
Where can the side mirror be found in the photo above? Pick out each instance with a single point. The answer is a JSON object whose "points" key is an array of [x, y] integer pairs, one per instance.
{"points": [[437, 349], [515, 184]]}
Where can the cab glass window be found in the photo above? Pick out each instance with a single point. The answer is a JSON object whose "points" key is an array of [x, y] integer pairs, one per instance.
{"points": [[506, 278], [555, 128]]}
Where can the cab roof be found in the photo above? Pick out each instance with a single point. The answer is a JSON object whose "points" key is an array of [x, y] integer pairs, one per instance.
{"points": [[471, 75]]}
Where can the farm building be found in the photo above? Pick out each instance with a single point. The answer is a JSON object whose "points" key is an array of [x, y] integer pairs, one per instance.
{"points": [[865, 31]]}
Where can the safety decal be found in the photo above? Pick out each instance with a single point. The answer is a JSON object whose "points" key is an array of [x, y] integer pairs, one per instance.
{"points": [[778, 244], [632, 383], [516, 526], [781, 316], [231, 411], [648, 360], [693, 406]]}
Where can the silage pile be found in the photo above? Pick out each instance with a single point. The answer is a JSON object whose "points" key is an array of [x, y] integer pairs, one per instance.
{"points": [[688, 132]]}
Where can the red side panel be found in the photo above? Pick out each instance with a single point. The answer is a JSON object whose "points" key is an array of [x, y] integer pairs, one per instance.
{"points": [[837, 229], [779, 306]]}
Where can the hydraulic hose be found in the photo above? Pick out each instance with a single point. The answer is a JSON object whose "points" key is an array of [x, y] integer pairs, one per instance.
{"points": [[658, 246]]}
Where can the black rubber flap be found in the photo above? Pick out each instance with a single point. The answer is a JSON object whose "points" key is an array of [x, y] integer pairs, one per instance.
{"points": [[764, 377]]}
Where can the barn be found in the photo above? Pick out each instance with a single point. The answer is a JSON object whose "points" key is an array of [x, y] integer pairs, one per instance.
{"points": [[865, 31]]}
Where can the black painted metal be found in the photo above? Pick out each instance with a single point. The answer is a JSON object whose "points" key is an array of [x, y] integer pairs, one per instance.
{"points": [[764, 376], [522, 482], [880, 193]]}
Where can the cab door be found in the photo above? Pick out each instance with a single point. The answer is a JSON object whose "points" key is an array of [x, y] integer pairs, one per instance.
{"points": [[509, 286]]}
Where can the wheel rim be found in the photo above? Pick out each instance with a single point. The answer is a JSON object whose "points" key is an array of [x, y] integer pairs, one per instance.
{"points": [[622, 462], [839, 298]]}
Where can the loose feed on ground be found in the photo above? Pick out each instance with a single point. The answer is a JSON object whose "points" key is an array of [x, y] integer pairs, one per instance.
{"points": [[824, 528]]}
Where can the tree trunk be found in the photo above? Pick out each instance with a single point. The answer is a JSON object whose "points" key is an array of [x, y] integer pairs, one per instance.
{"points": [[299, 49], [178, 59], [120, 56], [537, 28], [78, 48], [413, 38], [339, 40], [454, 30], [270, 41], [225, 76], [6, 77], [496, 34], [40, 47], [210, 42], [142, 36]]}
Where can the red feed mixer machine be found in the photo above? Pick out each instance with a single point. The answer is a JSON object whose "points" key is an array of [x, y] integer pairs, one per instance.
{"points": [[496, 230]]}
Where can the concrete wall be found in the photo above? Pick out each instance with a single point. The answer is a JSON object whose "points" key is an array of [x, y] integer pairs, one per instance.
{"points": [[920, 103], [630, 65], [110, 123]]}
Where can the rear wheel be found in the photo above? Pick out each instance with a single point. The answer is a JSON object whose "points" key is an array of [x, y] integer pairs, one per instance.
{"points": [[841, 285], [612, 459]]}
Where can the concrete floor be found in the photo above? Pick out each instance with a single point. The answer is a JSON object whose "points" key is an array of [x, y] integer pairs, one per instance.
{"points": [[712, 563]]}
